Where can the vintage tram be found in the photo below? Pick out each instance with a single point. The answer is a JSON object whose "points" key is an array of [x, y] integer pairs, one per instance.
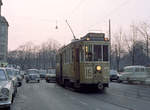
{"points": [[84, 62]]}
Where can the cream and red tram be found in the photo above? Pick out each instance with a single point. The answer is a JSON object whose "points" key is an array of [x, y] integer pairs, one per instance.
{"points": [[84, 62]]}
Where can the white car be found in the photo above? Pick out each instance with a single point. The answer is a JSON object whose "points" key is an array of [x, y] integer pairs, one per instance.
{"points": [[51, 75], [18, 77], [134, 73], [6, 90], [50, 78], [12, 76]]}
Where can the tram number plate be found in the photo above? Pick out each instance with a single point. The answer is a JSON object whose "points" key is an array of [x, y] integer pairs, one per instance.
{"points": [[88, 72]]}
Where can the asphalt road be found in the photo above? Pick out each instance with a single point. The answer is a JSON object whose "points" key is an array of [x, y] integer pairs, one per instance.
{"points": [[50, 96]]}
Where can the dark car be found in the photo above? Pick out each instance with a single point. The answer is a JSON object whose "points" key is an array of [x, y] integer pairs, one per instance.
{"points": [[114, 75], [32, 76]]}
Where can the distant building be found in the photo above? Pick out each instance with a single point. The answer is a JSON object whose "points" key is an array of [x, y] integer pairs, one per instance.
{"points": [[3, 37]]}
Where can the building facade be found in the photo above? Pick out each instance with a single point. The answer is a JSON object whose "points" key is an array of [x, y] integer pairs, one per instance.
{"points": [[3, 37]]}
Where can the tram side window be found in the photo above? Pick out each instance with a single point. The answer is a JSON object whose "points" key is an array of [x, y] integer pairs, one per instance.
{"points": [[67, 60], [70, 55], [105, 52], [57, 59], [97, 53], [81, 55], [63, 58], [67, 56]]}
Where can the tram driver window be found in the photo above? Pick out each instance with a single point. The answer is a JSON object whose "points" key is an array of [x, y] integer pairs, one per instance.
{"points": [[97, 53], [105, 52], [88, 53]]}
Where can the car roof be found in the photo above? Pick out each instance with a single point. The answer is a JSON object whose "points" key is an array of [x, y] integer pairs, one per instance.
{"points": [[32, 69], [136, 66], [3, 68]]}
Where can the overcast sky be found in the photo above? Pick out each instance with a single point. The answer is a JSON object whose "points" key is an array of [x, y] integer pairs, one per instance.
{"points": [[35, 20]]}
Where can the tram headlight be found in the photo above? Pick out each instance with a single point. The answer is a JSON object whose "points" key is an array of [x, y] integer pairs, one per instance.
{"points": [[98, 68], [87, 38]]}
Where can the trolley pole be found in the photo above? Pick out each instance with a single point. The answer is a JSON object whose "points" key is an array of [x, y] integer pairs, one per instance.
{"points": [[71, 30], [110, 40]]}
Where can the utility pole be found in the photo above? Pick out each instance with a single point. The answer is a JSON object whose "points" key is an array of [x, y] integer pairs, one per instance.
{"points": [[110, 40], [147, 45], [0, 6]]}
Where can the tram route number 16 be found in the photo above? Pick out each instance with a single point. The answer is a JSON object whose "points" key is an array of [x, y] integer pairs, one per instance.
{"points": [[88, 72]]}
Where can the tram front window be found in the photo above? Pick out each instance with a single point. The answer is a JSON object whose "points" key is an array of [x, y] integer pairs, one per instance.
{"points": [[97, 53], [105, 52]]}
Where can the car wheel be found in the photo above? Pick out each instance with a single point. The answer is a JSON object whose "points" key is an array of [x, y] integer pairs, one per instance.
{"points": [[130, 82], [119, 81], [20, 84], [27, 81], [8, 108], [15, 92], [12, 100]]}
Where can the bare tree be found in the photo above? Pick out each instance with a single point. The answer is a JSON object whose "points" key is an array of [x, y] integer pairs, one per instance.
{"points": [[32, 56], [118, 45], [144, 30]]}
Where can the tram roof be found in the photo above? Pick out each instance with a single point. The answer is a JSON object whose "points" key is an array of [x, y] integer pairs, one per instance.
{"points": [[87, 37]]}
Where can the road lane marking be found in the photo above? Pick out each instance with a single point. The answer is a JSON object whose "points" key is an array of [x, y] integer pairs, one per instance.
{"points": [[83, 103], [66, 94], [97, 109], [73, 98]]}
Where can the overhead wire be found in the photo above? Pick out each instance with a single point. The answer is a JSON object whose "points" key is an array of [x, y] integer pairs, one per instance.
{"points": [[76, 7], [113, 11]]}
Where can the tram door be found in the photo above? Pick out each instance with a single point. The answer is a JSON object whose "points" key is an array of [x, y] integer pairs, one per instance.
{"points": [[77, 63]]}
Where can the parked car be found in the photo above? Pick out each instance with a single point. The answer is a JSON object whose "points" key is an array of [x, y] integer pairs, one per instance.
{"points": [[42, 74], [22, 73], [32, 76], [114, 75], [51, 75], [12, 76], [134, 73], [6, 90], [50, 78], [18, 76]]}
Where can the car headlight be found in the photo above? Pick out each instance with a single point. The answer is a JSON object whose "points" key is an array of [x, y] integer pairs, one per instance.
{"points": [[5, 91], [98, 68]]}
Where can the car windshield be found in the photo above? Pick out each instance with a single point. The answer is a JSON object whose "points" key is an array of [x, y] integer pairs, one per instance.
{"points": [[51, 71], [113, 72], [32, 71], [42, 71], [10, 72], [16, 72], [2, 75]]}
